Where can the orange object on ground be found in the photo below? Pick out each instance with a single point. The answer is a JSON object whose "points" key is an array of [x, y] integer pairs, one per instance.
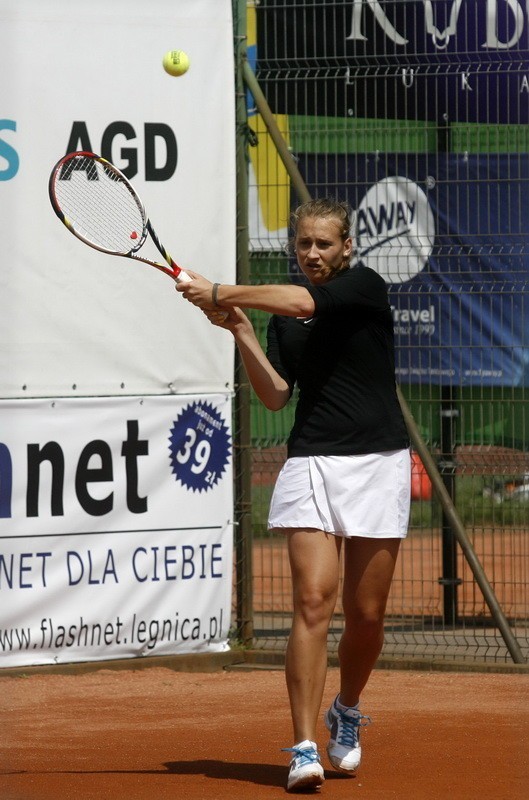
{"points": [[421, 486]]}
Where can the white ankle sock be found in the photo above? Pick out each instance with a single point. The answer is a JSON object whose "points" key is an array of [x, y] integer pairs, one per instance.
{"points": [[341, 706]]}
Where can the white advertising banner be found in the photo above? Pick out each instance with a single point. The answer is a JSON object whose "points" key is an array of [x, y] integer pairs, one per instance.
{"points": [[78, 76], [115, 528]]}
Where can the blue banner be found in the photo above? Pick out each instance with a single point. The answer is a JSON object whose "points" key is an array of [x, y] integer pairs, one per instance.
{"points": [[450, 235], [420, 59]]}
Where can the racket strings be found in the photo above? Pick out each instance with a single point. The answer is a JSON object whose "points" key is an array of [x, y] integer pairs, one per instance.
{"points": [[99, 206]]}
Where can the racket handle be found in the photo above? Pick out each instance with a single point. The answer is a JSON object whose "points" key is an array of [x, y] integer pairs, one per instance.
{"points": [[184, 277]]}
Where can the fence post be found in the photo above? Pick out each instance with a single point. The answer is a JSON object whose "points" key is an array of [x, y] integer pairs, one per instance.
{"points": [[242, 448], [447, 467]]}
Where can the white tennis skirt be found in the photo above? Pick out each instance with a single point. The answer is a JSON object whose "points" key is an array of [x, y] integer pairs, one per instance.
{"points": [[366, 495]]}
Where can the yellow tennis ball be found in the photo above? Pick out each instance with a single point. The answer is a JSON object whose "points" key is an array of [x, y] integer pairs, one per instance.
{"points": [[175, 62]]}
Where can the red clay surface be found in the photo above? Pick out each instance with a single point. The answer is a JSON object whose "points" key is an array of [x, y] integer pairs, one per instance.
{"points": [[155, 734]]}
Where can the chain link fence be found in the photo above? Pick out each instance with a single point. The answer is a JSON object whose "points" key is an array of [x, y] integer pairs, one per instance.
{"points": [[417, 113]]}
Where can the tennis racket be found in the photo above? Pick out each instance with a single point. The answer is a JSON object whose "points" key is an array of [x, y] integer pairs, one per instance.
{"points": [[98, 204]]}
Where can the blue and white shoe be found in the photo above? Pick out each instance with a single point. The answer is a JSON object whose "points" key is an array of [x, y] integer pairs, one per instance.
{"points": [[306, 771], [344, 749]]}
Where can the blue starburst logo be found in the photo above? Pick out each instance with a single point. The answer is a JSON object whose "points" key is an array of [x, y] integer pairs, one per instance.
{"points": [[199, 447]]}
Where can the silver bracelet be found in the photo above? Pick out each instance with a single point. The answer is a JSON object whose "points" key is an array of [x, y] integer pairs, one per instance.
{"points": [[214, 293]]}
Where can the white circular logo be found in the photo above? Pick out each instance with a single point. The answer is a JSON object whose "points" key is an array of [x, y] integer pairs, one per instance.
{"points": [[395, 229]]}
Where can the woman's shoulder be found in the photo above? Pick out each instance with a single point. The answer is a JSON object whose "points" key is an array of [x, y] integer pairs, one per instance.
{"points": [[362, 280], [361, 273]]}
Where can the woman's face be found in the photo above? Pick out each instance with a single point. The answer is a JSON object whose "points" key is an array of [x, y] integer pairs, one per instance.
{"points": [[320, 249]]}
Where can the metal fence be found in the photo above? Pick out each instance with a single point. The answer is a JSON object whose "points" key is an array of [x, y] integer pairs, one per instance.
{"points": [[417, 113]]}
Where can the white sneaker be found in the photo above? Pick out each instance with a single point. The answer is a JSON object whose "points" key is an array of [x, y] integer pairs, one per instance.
{"points": [[306, 771], [344, 749]]}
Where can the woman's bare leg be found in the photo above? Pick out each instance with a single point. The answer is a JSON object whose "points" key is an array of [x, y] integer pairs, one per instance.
{"points": [[368, 571], [314, 561]]}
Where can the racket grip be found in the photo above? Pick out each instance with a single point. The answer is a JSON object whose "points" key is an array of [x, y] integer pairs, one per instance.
{"points": [[184, 278]]}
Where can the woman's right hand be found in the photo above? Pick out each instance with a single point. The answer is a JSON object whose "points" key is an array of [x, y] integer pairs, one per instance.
{"points": [[225, 318]]}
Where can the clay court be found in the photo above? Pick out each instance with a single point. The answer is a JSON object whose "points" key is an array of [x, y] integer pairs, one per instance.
{"points": [[160, 734]]}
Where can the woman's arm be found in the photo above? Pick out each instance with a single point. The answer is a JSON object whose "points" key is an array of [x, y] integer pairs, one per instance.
{"points": [[291, 301], [271, 389]]}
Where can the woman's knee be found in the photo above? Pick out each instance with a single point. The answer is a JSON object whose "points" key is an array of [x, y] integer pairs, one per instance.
{"points": [[314, 605], [365, 623]]}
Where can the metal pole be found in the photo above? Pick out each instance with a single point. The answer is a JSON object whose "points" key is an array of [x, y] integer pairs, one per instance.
{"points": [[446, 464], [447, 467], [275, 134], [461, 534], [415, 435], [243, 440]]}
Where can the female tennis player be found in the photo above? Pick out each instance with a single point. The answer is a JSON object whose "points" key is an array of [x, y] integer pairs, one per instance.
{"points": [[345, 486]]}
